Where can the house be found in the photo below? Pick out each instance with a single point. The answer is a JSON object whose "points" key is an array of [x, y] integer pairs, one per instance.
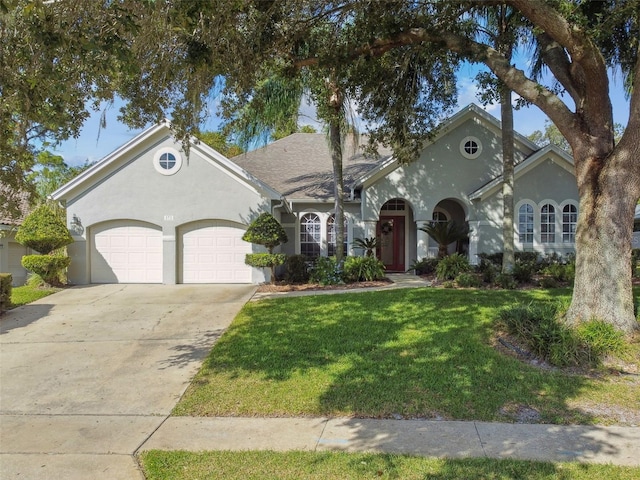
{"points": [[148, 212], [11, 252]]}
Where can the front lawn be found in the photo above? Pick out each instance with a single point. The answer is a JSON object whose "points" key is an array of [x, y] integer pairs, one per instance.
{"points": [[410, 353], [27, 294], [159, 465]]}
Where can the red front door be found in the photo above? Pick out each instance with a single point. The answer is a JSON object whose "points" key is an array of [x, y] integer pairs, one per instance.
{"points": [[390, 231]]}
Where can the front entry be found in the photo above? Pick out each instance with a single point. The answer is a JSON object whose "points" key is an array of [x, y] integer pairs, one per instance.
{"points": [[390, 231]]}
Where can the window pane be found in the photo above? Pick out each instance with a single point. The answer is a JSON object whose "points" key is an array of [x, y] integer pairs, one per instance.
{"points": [[310, 235], [548, 224], [331, 236], [525, 223], [569, 222]]}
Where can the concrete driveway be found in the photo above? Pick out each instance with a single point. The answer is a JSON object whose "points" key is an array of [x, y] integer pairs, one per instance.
{"points": [[89, 373]]}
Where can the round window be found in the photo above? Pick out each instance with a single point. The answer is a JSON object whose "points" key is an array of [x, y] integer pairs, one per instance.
{"points": [[470, 147], [167, 161]]}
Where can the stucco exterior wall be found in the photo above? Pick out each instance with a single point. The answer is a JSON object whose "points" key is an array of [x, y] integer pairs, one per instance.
{"points": [[439, 173], [135, 190]]}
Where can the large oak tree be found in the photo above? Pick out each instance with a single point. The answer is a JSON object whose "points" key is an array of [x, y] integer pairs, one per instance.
{"points": [[397, 60]]}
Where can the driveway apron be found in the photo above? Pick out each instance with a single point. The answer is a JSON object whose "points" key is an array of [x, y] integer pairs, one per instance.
{"points": [[89, 373]]}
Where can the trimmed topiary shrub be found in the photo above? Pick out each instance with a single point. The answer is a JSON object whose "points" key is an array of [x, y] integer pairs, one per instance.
{"points": [[358, 269], [267, 231], [43, 231], [48, 267]]}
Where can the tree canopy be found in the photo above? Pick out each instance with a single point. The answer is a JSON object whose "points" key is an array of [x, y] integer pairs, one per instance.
{"points": [[397, 61]]}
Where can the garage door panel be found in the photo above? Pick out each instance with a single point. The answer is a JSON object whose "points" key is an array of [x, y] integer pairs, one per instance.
{"points": [[213, 252], [126, 252]]}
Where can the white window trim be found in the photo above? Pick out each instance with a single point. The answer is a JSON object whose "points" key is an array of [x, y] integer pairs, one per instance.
{"points": [[558, 223], [165, 171], [516, 224], [470, 156], [324, 234], [562, 205]]}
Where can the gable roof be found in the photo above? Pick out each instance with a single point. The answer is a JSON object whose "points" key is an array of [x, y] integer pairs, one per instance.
{"points": [[470, 112], [299, 166], [108, 164], [20, 200], [551, 151]]}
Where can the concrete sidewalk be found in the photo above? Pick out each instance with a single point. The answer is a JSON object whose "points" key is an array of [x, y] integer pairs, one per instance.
{"points": [[451, 439]]}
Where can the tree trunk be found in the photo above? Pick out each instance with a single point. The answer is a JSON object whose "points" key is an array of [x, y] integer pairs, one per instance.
{"points": [[508, 258], [335, 139], [608, 195], [336, 100]]}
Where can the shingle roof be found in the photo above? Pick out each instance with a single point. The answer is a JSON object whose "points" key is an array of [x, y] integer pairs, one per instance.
{"points": [[19, 199], [299, 166]]}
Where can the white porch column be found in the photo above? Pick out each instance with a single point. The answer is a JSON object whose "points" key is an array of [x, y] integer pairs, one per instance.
{"points": [[474, 239], [422, 240], [369, 228]]}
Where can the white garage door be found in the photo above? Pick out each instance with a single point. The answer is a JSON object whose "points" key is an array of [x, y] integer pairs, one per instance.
{"points": [[126, 252], [213, 252]]}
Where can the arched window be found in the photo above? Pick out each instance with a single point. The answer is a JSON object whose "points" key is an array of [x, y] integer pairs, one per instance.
{"points": [[525, 223], [548, 223], [331, 236], [439, 217], [310, 235], [569, 222]]}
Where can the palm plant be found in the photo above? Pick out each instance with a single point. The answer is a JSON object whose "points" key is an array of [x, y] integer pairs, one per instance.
{"points": [[367, 244], [445, 233]]}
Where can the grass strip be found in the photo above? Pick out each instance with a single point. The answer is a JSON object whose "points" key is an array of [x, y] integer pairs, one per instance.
{"points": [[179, 465]]}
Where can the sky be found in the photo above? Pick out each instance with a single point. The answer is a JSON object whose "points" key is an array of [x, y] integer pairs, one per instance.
{"points": [[95, 143]]}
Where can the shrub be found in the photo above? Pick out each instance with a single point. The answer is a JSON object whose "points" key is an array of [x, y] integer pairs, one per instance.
{"points": [[325, 271], [506, 281], [366, 244], [468, 280], [561, 272], [635, 262], [297, 269], [48, 267], [5, 291], [43, 231], [450, 267], [527, 257], [549, 282], [601, 339], [523, 270], [357, 269], [488, 270], [267, 231], [494, 258], [541, 328], [425, 266], [265, 260]]}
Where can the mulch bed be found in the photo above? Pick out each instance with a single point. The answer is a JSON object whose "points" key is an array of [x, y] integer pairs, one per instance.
{"points": [[287, 287]]}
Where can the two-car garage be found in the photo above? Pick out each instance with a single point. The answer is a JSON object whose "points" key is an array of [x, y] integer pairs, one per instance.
{"points": [[208, 251]]}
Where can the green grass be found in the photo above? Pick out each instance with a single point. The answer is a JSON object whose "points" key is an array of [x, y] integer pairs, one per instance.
{"points": [[418, 353], [159, 465], [27, 294]]}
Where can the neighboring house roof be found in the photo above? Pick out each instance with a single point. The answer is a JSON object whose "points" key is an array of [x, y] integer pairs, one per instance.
{"points": [[114, 160], [299, 166], [21, 199]]}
